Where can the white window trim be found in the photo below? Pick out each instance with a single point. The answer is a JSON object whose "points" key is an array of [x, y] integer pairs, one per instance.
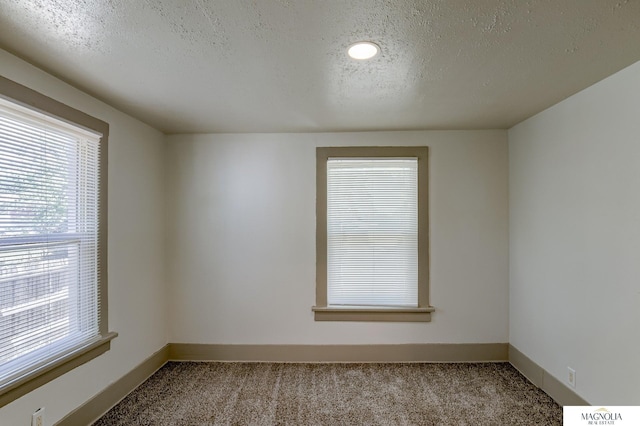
{"points": [[324, 312]]}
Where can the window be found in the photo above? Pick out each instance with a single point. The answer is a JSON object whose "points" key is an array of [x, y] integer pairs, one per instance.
{"points": [[52, 239], [372, 234]]}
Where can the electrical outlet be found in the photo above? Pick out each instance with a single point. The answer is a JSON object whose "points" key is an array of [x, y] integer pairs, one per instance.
{"points": [[37, 418], [571, 377]]}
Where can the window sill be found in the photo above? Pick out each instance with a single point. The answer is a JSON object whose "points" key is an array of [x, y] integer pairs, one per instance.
{"points": [[36, 378], [357, 313]]}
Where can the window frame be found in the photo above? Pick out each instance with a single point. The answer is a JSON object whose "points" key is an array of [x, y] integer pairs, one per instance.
{"points": [[323, 311], [34, 378]]}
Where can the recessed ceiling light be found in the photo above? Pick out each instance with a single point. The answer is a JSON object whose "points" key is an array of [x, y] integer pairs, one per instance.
{"points": [[363, 50]]}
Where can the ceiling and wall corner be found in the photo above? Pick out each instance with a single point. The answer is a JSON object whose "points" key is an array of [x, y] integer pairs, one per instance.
{"points": [[281, 66]]}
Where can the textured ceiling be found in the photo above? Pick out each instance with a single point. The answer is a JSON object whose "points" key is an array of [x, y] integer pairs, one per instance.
{"points": [[280, 65]]}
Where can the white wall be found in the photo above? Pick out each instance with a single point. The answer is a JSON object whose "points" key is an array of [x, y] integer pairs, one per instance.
{"points": [[575, 239], [136, 251], [241, 240]]}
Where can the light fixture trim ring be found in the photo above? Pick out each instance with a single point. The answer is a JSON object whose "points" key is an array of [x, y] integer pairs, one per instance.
{"points": [[363, 50]]}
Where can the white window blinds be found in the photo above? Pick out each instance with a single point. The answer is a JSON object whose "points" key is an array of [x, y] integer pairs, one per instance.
{"points": [[48, 239], [372, 232]]}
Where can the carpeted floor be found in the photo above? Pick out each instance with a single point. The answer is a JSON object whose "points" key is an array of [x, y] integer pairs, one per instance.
{"points": [[190, 393]]}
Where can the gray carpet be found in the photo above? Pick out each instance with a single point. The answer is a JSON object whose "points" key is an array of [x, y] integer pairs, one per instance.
{"points": [[190, 393]]}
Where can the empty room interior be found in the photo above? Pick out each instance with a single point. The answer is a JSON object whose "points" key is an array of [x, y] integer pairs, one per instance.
{"points": [[225, 128]]}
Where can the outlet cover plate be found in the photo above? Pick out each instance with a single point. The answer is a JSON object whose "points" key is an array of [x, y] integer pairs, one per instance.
{"points": [[571, 377], [37, 418]]}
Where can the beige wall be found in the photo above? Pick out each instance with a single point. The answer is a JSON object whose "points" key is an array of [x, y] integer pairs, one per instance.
{"points": [[575, 239], [136, 253], [241, 239]]}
